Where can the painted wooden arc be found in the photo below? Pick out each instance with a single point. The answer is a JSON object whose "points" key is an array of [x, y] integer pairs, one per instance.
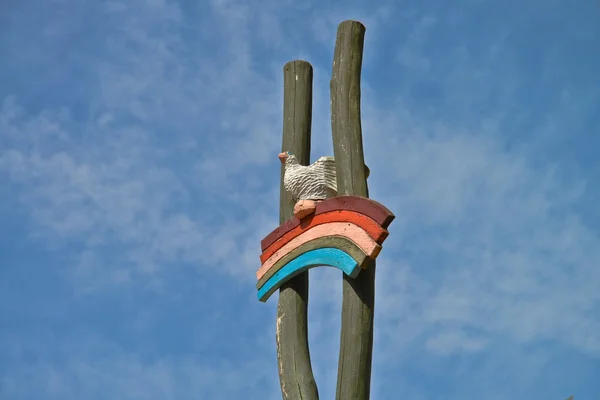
{"points": [[336, 242], [372, 228], [349, 230], [362, 205], [328, 256]]}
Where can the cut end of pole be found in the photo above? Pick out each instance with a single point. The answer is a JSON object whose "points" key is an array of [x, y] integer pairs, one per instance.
{"points": [[296, 62], [352, 22]]}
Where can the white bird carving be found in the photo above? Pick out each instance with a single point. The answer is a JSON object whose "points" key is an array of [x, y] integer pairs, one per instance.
{"points": [[313, 182]]}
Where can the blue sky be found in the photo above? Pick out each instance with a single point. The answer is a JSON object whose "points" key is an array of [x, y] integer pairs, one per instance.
{"points": [[139, 172]]}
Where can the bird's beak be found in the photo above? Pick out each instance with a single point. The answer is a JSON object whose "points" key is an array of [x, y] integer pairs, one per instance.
{"points": [[282, 157]]}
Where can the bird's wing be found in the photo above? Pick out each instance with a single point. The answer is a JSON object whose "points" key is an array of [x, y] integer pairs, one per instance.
{"points": [[328, 166]]}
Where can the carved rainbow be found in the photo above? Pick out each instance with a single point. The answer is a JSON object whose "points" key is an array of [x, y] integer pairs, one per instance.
{"points": [[345, 232]]}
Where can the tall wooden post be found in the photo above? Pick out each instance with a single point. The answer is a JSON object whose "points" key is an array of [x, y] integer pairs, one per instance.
{"points": [[293, 355], [356, 341]]}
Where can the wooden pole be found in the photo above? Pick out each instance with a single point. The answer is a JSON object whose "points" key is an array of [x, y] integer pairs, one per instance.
{"points": [[356, 341], [293, 355]]}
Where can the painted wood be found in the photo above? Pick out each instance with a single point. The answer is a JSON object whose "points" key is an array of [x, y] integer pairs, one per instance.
{"points": [[358, 302], [373, 229], [336, 242], [362, 205], [328, 256], [293, 356], [304, 208], [313, 182], [309, 182], [346, 229]]}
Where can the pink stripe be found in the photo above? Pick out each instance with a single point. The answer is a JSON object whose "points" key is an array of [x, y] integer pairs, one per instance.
{"points": [[346, 229]]}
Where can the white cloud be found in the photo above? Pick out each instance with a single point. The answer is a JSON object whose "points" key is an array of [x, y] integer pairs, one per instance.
{"points": [[498, 238], [92, 367], [173, 158]]}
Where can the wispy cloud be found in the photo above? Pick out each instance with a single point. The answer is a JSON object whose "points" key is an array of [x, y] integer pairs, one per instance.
{"points": [[137, 161], [86, 366]]}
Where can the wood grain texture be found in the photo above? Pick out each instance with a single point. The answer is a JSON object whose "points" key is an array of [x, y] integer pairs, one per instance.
{"points": [[362, 205], [353, 232], [328, 256], [335, 242], [296, 377], [358, 303], [372, 228]]}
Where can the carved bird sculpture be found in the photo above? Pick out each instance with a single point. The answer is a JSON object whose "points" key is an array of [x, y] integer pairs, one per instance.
{"points": [[309, 184]]}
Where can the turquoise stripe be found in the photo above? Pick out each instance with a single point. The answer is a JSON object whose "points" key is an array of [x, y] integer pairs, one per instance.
{"points": [[327, 256]]}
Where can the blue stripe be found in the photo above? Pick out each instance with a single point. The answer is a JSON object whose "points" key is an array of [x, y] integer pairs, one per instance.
{"points": [[327, 256]]}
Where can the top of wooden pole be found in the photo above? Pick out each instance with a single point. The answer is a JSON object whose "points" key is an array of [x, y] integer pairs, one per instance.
{"points": [[345, 109]]}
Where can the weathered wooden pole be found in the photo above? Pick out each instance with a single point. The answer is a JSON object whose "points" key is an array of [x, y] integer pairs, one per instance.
{"points": [[356, 341], [293, 355]]}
